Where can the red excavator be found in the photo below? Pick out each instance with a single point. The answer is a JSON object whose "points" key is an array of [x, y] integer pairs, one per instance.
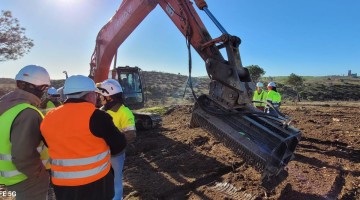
{"points": [[266, 141]]}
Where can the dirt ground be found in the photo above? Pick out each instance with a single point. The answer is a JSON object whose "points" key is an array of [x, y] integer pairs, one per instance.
{"points": [[176, 162]]}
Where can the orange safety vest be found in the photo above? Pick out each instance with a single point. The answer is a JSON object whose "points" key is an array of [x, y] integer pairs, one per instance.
{"points": [[77, 156]]}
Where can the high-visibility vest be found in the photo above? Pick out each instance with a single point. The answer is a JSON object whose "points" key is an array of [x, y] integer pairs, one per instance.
{"points": [[274, 97], [9, 175], [123, 118], [260, 97], [77, 157], [50, 105], [44, 154]]}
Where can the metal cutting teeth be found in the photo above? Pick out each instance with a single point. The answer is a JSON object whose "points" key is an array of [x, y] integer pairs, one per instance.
{"points": [[248, 156], [263, 143]]}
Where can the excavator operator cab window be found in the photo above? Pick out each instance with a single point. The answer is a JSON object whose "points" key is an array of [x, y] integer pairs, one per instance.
{"points": [[125, 85], [131, 84]]}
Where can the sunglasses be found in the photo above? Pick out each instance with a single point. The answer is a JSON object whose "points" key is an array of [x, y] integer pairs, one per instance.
{"points": [[41, 88]]}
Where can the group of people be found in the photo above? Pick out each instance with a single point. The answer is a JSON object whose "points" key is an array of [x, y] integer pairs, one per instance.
{"points": [[267, 101], [85, 145]]}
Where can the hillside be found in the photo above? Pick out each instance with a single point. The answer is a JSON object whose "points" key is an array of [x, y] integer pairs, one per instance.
{"points": [[166, 88], [8, 84], [323, 88]]}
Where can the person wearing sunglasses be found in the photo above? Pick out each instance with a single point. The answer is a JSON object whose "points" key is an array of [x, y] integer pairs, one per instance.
{"points": [[21, 167]]}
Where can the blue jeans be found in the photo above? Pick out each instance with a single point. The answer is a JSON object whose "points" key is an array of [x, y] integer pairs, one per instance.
{"points": [[117, 163]]}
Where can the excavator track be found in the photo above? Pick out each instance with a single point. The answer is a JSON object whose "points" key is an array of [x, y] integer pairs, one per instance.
{"points": [[147, 121], [266, 144]]}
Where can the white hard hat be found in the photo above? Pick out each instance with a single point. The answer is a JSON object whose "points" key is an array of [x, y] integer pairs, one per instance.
{"points": [[259, 84], [109, 87], [33, 74], [272, 84], [52, 91], [79, 83]]}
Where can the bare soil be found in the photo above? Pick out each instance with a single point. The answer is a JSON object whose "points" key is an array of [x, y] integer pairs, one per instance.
{"points": [[176, 162]]}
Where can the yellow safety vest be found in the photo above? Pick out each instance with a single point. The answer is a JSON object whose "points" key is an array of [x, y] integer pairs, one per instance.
{"points": [[123, 118], [260, 97], [274, 97]]}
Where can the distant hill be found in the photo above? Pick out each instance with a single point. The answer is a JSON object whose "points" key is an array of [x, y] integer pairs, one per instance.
{"points": [[322, 88], [161, 88], [8, 84], [171, 88]]}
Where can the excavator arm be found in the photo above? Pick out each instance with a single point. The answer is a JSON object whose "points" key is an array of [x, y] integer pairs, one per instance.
{"points": [[267, 142], [231, 82]]}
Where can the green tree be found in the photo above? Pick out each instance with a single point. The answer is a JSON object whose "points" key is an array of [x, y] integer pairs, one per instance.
{"points": [[13, 42], [255, 72], [296, 82]]}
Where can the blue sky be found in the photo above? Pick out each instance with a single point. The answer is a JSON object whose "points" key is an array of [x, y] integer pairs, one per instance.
{"points": [[305, 37]]}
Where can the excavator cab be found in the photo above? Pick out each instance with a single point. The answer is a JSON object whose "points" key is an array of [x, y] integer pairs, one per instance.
{"points": [[131, 81]]}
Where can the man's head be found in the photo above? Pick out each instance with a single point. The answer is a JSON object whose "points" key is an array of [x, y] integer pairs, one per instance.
{"points": [[52, 93], [259, 86], [80, 87], [34, 79], [109, 89]]}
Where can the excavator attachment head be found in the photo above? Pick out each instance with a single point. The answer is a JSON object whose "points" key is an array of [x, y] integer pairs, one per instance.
{"points": [[265, 142]]}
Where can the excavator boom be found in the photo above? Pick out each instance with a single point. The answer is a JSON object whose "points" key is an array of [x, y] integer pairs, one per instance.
{"points": [[131, 13], [267, 142]]}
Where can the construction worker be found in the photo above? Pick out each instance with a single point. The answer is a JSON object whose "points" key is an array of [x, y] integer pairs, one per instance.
{"points": [[51, 100], [21, 168], [259, 95], [113, 103], [80, 138], [273, 98]]}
